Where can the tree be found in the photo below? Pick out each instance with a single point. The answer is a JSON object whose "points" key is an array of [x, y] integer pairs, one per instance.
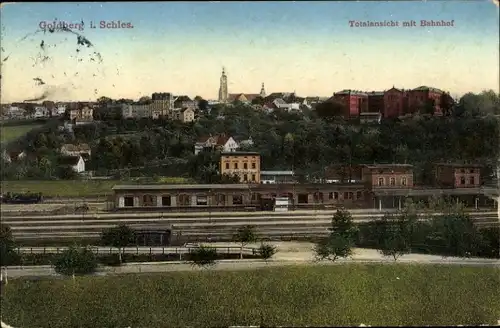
{"points": [[333, 247], [202, 105], [331, 109], [203, 256], [447, 103], [65, 172], [457, 233], [266, 251], [7, 246], [341, 239], [343, 224], [76, 261], [120, 236], [244, 236], [395, 235]]}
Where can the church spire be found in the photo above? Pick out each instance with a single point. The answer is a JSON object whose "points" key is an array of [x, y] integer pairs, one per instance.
{"points": [[262, 91], [223, 94]]}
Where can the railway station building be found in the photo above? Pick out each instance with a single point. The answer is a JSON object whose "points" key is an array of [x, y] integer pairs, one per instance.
{"points": [[381, 186]]}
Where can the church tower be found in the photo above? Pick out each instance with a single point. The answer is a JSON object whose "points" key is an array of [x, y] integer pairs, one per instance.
{"points": [[223, 87], [262, 91]]}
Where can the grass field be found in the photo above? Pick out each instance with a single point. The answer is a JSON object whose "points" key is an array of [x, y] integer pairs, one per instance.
{"points": [[76, 188], [9, 133], [62, 188], [341, 295]]}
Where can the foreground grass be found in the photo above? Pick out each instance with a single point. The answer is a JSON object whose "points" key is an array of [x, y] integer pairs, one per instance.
{"points": [[287, 296], [9, 133]]}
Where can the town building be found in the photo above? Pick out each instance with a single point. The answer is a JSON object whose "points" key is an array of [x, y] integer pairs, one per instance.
{"points": [[185, 115], [183, 102], [355, 102], [41, 112], [76, 150], [161, 105], [384, 176], [395, 103], [75, 162], [375, 102], [458, 175], [83, 115], [245, 165], [222, 143], [13, 155], [420, 97]]}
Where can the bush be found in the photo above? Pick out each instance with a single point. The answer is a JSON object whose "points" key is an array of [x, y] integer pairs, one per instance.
{"points": [[76, 261], [203, 256], [266, 251]]}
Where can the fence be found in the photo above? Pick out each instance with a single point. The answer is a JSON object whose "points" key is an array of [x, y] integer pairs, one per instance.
{"points": [[138, 250]]}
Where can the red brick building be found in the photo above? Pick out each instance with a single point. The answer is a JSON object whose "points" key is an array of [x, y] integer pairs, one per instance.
{"points": [[388, 176], [418, 99], [395, 102], [355, 101], [458, 175], [376, 102]]}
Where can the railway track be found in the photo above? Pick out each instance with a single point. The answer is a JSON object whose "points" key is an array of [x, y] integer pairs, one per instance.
{"points": [[187, 224]]}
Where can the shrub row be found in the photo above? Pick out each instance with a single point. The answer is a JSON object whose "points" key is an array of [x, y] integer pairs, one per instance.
{"points": [[112, 259], [423, 242]]}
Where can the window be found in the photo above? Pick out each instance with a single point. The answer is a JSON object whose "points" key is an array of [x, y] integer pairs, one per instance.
{"points": [[253, 177], [201, 200], [471, 171], [147, 200], [235, 166], [348, 195], [359, 194], [254, 166], [237, 200], [403, 181], [227, 166], [472, 181], [380, 181], [462, 180], [245, 177], [184, 200], [245, 166], [330, 195], [220, 199], [303, 199], [392, 181], [128, 201], [335, 195], [318, 196], [166, 201], [462, 171]]}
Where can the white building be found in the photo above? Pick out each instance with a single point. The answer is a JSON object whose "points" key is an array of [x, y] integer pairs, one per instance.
{"points": [[220, 143], [16, 112], [41, 111], [76, 162]]}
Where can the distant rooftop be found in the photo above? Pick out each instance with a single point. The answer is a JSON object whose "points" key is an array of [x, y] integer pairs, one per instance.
{"points": [[381, 166], [426, 88], [240, 153], [459, 165], [180, 186]]}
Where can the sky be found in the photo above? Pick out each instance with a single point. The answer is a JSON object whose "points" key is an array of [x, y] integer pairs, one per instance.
{"points": [[308, 47]]}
